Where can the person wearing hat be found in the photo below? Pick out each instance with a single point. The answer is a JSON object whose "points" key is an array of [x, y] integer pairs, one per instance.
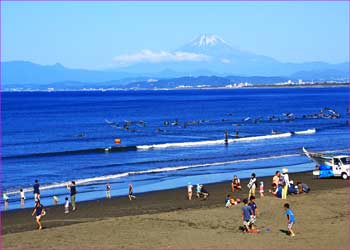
{"points": [[286, 183]]}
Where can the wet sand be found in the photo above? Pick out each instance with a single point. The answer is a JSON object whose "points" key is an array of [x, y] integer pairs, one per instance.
{"points": [[165, 219]]}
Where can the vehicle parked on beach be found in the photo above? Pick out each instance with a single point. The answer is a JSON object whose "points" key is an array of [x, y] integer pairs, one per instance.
{"points": [[330, 165]]}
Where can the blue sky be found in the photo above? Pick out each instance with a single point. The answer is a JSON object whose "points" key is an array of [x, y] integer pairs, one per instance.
{"points": [[91, 34]]}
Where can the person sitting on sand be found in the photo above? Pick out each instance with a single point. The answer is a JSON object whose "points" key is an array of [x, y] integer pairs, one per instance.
{"points": [[276, 190], [39, 213], [131, 192], [236, 184], [292, 189], [189, 191], [204, 193], [303, 188], [230, 201]]}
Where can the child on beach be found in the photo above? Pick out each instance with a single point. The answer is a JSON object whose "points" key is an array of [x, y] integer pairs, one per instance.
{"points": [[131, 193], [22, 197], [291, 219], [6, 200], [189, 191], [229, 201], [66, 206], [198, 190], [108, 190], [261, 189], [236, 184], [55, 200]]}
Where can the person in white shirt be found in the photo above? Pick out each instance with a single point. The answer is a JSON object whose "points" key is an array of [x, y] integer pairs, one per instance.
{"points": [[286, 183], [189, 191], [66, 206], [22, 197]]}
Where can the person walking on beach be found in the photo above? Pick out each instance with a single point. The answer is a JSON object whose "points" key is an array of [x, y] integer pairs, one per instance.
{"points": [[189, 191], [131, 192], [252, 185], [22, 197], [291, 219], [246, 216], [108, 190], [286, 185], [73, 192], [36, 190], [255, 210], [39, 212]]}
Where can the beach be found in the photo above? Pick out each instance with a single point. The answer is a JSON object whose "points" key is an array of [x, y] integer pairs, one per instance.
{"points": [[167, 220]]}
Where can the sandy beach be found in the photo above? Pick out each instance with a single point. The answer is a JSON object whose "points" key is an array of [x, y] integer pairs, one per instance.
{"points": [[166, 220]]}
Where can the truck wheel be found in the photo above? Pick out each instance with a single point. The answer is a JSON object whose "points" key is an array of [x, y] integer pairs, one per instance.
{"points": [[344, 176]]}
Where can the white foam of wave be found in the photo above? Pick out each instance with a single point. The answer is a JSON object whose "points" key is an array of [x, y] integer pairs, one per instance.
{"points": [[306, 132], [149, 171], [212, 142]]}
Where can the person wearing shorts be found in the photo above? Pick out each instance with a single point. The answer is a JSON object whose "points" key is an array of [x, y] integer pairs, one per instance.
{"points": [[36, 190], [38, 212], [246, 216], [252, 185], [291, 219]]}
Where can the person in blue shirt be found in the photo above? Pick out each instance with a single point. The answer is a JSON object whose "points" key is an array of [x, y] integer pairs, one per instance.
{"points": [[291, 219], [246, 216]]}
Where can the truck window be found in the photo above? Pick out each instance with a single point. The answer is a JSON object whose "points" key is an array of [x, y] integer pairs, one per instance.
{"points": [[345, 160]]}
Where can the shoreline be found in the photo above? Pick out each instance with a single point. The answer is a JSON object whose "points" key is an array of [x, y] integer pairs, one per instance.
{"points": [[154, 202]]}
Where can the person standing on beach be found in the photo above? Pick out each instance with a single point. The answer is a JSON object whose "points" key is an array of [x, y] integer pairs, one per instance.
{"points": [[252, 185], [36, 190], [291, 219], [286, 185], [189, 191], [6, 200], [246, 216], [39, 213], [66, 206], [131, 192], [22, 197], [276, 178], [73, 192], [108, 190]]}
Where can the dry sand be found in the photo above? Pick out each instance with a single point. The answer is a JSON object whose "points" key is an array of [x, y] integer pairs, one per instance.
{"points": [[165, 220]]}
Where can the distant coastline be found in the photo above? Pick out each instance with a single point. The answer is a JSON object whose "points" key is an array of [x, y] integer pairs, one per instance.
{"points": [[250, 86]]}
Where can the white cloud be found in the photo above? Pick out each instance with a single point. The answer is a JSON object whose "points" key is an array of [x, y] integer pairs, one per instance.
{"points": [[225, 61], [159, 56]]}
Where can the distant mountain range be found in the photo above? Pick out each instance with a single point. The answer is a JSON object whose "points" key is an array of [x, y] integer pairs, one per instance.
{"points": [[204, 56]]}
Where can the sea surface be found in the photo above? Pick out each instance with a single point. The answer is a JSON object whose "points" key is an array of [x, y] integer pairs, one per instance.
{"points": [[168, 138]]}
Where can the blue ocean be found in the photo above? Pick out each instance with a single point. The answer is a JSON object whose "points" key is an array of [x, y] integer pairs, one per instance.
{"points": [[162, 139]]}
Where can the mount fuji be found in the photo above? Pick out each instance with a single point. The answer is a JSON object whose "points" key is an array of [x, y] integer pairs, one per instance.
{"points": [[220, 58]]}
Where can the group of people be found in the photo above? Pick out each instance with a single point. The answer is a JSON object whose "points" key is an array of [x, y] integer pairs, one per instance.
{"points": [[201, 191], [281, 187]]}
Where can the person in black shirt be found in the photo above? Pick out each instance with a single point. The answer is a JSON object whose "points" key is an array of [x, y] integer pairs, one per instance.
{"points": [[73, 192], [38, 212], [36, 190]]}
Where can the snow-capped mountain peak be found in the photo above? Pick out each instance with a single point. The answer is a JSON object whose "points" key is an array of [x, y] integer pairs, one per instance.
{"points": [[208, 40]]}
